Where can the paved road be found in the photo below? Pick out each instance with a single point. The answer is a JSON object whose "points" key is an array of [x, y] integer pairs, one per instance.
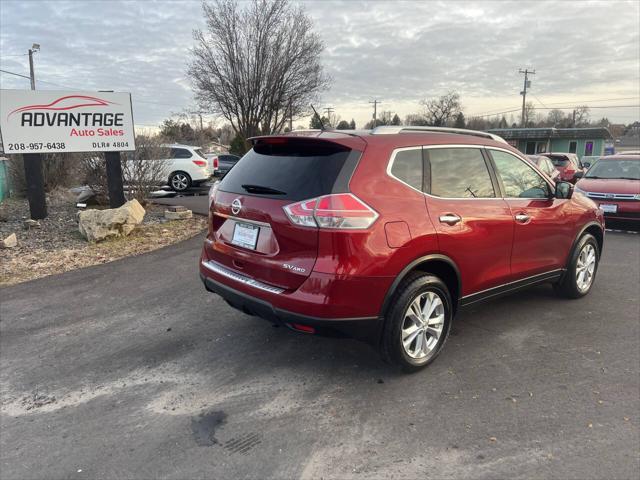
{"points": [[120, 371]]}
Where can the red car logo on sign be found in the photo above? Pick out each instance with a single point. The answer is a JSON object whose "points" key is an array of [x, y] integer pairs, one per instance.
{"points": [[69, 102]]}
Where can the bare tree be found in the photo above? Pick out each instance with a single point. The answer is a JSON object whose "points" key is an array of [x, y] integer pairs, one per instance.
{"points": [[415, 120], [555, 118], [439, 111], [581, 116], [256, 66], [143, 170], [530, 114], [146, 168]]}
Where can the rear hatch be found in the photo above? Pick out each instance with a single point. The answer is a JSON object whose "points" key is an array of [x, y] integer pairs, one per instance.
{"points": [[250, 230], [562, 164]]}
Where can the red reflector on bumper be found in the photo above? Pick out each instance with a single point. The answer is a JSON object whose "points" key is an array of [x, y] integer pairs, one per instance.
{"points": [[302, 328]]}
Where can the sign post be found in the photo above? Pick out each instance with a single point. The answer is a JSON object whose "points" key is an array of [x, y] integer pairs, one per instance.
{"points": [[35, 185], [38, 121], [114, 179]]}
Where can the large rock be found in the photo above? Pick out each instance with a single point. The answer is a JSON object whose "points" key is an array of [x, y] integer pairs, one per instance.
{"points": [[10, 242], [96, 225]]}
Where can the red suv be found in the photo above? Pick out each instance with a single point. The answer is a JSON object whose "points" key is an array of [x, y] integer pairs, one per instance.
{"points": [[384, 235]]}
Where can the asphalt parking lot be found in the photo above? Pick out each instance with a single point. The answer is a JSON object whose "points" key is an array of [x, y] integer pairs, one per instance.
{"points": [[132, 370]]}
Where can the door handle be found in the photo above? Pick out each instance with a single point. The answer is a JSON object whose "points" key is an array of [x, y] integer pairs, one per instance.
{"points": [[522, 218], [450, 218]]}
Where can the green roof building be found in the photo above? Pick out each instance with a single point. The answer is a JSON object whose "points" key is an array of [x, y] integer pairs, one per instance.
{"points": [[581, 141]]}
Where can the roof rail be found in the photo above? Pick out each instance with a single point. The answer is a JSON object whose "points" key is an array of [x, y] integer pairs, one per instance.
{"points": [[390, 129]]}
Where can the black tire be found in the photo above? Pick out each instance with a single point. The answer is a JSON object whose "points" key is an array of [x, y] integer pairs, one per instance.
{"points": [[568, 286], [392, 348], [180, 181]]}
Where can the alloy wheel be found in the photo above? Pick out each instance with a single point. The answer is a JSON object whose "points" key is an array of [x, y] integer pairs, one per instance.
{"points": [[179, 181], [585, 267], [423, 325]]}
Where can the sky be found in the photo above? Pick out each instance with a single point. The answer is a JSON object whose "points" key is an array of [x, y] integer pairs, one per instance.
{"points": [[398, 52]]}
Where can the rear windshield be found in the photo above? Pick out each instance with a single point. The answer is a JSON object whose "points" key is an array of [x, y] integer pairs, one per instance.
{"points": [[199, 153], [558, 161], [295, 170]]}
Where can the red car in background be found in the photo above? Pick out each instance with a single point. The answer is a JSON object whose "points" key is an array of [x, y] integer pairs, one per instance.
{"points": [[545, 165], [568, 164], [614, 184]]}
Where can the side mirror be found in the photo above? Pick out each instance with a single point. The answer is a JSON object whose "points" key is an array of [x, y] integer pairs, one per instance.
{"points": [[586, 164], [579, 174], [564, 190]]}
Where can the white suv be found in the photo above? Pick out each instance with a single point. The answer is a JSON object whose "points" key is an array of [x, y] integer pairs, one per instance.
{"points": [[186, 166]]}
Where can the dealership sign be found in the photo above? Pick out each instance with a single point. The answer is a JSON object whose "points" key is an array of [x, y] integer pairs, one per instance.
{"points": [[38, 121]]}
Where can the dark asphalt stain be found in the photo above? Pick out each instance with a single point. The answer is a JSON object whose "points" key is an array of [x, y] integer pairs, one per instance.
{"points": [[204, 426]]}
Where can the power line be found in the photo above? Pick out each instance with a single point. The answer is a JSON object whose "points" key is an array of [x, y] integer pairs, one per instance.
{"points": [[569, 105], [72, 88], [16, 74]]}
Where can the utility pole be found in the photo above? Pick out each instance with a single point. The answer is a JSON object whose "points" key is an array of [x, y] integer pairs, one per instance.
{"points": [[290, 116], [33, 175], [35, 48], [329, 111], [527, 84], [375, 112]]}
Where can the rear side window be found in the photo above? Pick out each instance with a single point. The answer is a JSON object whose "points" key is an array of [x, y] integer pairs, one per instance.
{"points": [[407, 166], [297, 169], [458, 173], [518, 178], [180, 153]]}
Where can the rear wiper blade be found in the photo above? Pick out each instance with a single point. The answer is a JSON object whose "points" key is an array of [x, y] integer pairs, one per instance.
{"points": [[261, 189]]}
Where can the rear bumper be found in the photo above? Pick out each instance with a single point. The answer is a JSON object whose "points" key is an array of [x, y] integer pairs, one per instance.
{"points": [[367, 329]]}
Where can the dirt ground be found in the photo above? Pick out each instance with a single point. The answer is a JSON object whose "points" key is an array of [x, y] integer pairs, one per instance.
{"points": [[56, 246]]}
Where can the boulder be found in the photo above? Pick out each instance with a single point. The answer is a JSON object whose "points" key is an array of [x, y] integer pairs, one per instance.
{"points": [[96, 225], [179, 215], [9, 242]]}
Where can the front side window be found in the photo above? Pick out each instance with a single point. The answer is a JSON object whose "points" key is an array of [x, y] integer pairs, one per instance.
{"points": [[407, 166], [518, 179], [458, 173]]}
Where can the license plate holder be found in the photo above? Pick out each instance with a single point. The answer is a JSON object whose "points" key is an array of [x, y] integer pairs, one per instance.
{"points": [[609, 208], [245, 235]]}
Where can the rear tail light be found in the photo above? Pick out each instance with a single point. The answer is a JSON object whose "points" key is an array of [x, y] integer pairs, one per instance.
{"points": [[200, 163], [339, 211], [212, 192], [216, 163]]}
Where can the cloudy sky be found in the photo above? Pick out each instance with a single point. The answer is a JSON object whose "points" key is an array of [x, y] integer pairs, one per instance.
{"points": [[399, 52]]}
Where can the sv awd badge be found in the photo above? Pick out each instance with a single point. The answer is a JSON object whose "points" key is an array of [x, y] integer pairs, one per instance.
{"points": [[294, 268]]}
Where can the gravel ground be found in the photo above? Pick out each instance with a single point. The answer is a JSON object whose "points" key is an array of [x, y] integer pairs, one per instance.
{"points": [[56, 246]]}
